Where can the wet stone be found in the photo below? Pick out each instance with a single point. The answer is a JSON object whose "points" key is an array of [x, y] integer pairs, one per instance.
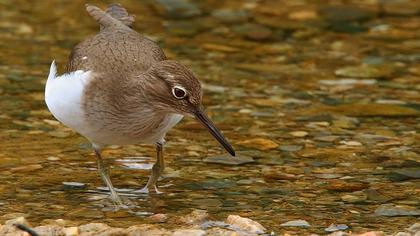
{"points": [[296, 223], [189, 232], [177, 8], [396, 210], [254, 32], [229, 160], [196, 217], [336, 227], [74, 185], [355, 197], [404, 174], [245, 224], [262, 144], [231, 16], [290, 148], [159, 218], [364, 71], [343, 13]]}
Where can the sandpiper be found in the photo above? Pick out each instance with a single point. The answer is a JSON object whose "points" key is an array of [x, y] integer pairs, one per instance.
{"points": [[119, 88]]}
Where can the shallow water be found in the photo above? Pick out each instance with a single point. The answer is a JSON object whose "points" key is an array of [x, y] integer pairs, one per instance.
{"points": [[323, 97]]}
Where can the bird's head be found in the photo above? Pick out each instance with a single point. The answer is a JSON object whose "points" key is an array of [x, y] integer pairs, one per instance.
{"points": [[175, 89]]}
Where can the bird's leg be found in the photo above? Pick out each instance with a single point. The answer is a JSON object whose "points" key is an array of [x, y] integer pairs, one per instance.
{"points": [[103, 171], [157, 170]]}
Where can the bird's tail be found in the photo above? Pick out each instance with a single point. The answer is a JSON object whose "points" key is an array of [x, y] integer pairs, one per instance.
{"points": [[115, 16]]}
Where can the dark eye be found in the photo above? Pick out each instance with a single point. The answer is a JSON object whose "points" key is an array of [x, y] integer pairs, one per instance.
{"points": [[179, 92]]}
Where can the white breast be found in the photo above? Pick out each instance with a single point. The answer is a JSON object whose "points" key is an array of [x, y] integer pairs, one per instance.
{"points": [[63, 95]]}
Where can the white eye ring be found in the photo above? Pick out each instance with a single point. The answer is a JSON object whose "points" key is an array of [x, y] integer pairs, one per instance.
{"points": [[179, 92]]}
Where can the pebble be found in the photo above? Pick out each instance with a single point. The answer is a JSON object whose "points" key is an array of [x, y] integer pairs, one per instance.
{"points": [[74, 185], [296, 223], [177, 9], [230, 16], [52, 158], [71, 231], [59, 134], [336, 227], [396, 210], [196, 217], [404, 174], [355, 197], [364, 71], [27, 168], [299, 134], [290, 148], [159, 218], [262, 144], [254, 32], [245, 224], [189, 232], [229, 160]]}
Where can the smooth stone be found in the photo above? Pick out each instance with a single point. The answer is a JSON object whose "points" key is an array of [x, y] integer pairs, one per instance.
{"points": [[229, 160], [245, 224], [415, 228], [262, 144], [189, 232], [348, 82], [328, 176], [404, 174], [52, 158], [230, 16], [345, 13], [299, 134], [296, 223], [364, 71], [355, 197], [334, 227], [196, 217], [71, 231], [159, 218], [59, 134], [396, 210], [49, 230], [74, 185], [177, 8], [27, 168], [374, 195], [254, 32], [402, 234], [290, 148], [145, 229]]}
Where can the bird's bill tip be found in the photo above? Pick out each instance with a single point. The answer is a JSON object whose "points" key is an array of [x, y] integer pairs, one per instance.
{"points": [[205, 120]]}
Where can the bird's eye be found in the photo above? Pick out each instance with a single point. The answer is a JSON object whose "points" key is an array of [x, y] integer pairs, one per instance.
{"points": [[179, 92]]}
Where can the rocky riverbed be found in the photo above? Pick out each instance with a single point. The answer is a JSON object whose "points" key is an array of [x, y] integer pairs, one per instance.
{"points": [[197, 223]]}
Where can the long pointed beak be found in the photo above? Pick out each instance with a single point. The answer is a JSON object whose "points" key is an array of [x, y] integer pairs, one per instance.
{"points": [[205, 120]]}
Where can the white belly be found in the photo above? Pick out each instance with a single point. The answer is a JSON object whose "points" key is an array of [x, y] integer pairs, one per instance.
{"points": [[63, 95]]}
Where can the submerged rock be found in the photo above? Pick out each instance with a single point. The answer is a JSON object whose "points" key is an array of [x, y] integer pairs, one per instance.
{"points": [[196, 217], [189, 232], [262, 144], [334, 227], [74, 185], [245, 224], [364, 71], [229, 160], [404, 174], [396, 210], [176, 8], [296, 223]]}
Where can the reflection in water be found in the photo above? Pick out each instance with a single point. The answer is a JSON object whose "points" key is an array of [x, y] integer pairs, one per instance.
{"points": [[321, 96]]}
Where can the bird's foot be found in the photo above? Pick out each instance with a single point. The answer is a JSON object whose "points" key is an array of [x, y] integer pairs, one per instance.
{"points": [[146, 190]]}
